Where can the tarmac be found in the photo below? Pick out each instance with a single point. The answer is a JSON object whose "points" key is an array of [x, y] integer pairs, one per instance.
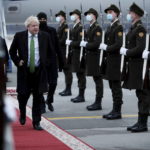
{"points": [[89, 126]]}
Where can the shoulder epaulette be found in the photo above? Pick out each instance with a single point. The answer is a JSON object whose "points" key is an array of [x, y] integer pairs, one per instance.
{"points": [[80, 25], [97, 24], [139, 24]]}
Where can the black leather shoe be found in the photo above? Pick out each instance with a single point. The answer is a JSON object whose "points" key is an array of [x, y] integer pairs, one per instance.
{"points": [[22, 120], [94, 107], [50, 107], [65, 93], [114, 116], [37, 127], [130, 127], [78, 99]]}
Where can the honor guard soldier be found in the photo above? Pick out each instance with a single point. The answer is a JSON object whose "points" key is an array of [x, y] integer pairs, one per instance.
{"points": [[113, 43], [93, 39], [62, 36], [74, 42], [135, 44]]}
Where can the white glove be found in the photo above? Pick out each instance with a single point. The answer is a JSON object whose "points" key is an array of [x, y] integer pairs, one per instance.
{"points": [[103, 46], [123, 51], [83, 43], [68, 42], [145, 54]]}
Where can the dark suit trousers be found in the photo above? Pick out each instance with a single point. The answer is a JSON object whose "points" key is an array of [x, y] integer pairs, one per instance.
{"points": [[23, 98], [116, 90], [143, 101]]}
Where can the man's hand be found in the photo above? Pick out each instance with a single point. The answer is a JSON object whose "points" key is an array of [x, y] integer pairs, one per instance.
{"points": [[21, 63]]}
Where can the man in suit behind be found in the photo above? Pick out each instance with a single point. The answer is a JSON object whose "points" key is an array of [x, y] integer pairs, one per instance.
{"points": [[52, 80], [32, 52]]}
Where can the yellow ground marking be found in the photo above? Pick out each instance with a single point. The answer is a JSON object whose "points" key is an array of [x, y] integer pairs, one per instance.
{"points": [[88, 117]]}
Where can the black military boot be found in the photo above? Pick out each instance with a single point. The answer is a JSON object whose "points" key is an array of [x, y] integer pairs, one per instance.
{"points": [[142, 125], [110, 113], [106, 115], [135, 125], [80, 98], [96, 105], [67, 91], [116, 113]]}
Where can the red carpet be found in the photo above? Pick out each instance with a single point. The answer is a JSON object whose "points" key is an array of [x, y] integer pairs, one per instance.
{"points": [[28, 139]]}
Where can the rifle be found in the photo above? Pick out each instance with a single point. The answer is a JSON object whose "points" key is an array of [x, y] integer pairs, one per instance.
{"points": [[68, 34], [124, 41], [147, 44], [145, 14], [101, 16], [145, 60], [83, 33], [121, 14], [122, 56], [51, 15], [67, 46], [103, 37]]}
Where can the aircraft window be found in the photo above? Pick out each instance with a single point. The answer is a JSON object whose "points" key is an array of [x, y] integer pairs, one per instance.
{"points": [[13, 8]]}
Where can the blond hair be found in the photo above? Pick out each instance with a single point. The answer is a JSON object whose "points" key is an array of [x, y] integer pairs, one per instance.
{"points": [[31, 19]]}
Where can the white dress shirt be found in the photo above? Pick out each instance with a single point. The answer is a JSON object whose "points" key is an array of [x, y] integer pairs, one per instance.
{"points": [[36, 46]]}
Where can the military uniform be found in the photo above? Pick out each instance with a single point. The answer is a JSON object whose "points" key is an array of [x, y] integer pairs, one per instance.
{"points": [[113, 40], [94, 37], [76, 37], [135, 43], [62, 36]]}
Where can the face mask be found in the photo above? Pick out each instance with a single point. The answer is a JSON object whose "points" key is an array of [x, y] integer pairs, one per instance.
{"points": [[73, 18], [129, 18], [43, 24], [109, 17], [89, 18], [58, 19]]}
